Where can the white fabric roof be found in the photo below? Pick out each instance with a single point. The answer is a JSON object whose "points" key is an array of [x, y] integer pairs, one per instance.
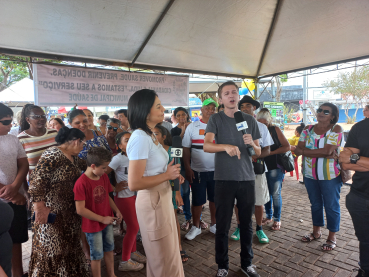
{"points": [[22, 91], [224, 37]]}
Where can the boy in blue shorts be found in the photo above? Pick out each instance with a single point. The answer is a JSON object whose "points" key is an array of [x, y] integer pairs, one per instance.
{"points": [[91, 194]]}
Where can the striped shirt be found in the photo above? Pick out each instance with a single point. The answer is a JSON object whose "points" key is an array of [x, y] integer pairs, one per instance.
{"points": [[320, 168], [35, 146]]}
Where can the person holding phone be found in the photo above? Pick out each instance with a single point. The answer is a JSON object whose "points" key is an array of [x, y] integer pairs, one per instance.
{"points": [[56, 246]]}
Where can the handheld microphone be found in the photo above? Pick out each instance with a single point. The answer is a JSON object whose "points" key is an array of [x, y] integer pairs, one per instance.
{"points": [[242, 126], [176, 153]]}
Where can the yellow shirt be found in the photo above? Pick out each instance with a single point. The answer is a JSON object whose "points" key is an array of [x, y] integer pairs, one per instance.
{"points": [[294, 140]]}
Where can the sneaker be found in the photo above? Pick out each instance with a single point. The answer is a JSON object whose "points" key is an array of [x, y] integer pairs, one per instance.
{"points": [[262, 236], [213, 228], [250, 271], [361, 273], [130, 266], [193, 233], [186, 225], [236, 235], [222, 273], [138, 257]]}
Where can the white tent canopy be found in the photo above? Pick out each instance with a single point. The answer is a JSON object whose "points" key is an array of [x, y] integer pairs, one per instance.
{"points": [[239, 38], [19, 93]]}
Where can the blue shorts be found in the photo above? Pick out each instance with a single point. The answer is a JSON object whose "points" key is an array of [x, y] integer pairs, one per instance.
{"points": [[203, 181], [100, 242]]}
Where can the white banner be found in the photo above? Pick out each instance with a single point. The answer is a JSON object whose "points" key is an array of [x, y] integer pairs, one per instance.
{"points": [[57, 85]]}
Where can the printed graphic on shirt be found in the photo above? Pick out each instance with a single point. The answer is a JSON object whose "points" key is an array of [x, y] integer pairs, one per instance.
{"points": [[99, 194], [202, 132]]}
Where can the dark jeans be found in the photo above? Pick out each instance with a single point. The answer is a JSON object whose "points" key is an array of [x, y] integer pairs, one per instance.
{"points": [[225, 194], [358, 208]]}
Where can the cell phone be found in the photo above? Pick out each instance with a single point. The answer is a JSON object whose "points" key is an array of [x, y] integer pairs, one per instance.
{"points": [[50, 219]]}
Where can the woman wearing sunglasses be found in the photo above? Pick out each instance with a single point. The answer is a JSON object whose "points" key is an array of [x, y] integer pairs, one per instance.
{"points": [[112, 127], [35, 137], [319, 145]]}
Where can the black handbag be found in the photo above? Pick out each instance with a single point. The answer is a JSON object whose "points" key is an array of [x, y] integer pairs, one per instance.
{"points": [[285, 159], [259, 166]]}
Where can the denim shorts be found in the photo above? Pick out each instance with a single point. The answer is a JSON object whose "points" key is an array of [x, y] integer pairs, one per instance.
{"points": [[202, 184], [100, 242]]}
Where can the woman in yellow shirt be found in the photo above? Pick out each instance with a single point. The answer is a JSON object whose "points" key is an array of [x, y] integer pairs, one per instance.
{"points": [[295, 139]]}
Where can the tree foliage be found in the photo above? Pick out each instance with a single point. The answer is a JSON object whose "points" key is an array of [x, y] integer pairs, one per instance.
{"points": [[353, 87], [12, 71]]}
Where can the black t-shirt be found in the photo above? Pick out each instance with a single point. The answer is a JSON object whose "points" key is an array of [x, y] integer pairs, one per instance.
{"points": [[358, 138], [175, 131]]}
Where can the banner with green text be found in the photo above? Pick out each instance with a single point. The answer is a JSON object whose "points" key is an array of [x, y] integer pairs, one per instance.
{"points": [[57, 85]]}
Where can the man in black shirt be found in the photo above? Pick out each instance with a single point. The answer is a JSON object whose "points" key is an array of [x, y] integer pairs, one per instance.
{"points": [[356, 157]]}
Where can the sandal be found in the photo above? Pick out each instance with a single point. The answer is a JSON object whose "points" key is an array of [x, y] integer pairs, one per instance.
{"points": [[186, 225], [184, 256], [276, 226], [203, 224], [265, 221], [180, 210], [307, 238], [327, 245]]}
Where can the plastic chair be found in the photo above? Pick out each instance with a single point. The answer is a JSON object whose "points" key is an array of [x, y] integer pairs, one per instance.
{"points": [[296, 169]]}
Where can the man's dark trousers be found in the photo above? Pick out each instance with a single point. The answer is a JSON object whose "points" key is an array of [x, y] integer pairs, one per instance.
{"points": [[225, 194]]}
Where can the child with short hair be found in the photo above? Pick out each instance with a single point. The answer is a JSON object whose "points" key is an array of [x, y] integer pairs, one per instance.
{"points": [[93, 203]]}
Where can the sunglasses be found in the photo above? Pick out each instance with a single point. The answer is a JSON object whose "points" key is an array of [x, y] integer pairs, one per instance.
{"points": [[326, 112], [6, 122], [38, 117], [114, 128]]}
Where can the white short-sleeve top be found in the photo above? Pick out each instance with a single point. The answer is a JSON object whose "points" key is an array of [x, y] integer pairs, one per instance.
{"points": [[141, 147]]}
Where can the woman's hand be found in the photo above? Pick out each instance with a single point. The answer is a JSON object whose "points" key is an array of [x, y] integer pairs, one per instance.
{"points": [[179, 200], [183, 128], [41, 212], [345, 156], [298, 151], [173, 171], [123, 185], [19, 199]]}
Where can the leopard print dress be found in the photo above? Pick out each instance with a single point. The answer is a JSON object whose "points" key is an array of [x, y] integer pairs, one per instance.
{"points": [[56, 247]]}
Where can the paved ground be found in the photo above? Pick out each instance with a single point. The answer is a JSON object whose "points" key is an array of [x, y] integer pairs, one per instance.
{"points": [[285, 255]]}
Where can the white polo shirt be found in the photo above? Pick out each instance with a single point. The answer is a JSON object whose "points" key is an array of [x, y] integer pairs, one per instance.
{"points": [[194, 138]]}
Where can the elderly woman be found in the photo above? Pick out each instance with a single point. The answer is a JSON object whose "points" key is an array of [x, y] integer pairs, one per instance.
{"points": [[78, 119], [56, 246], [366, 112], [275, 173], [112, 128], [319, 144]]}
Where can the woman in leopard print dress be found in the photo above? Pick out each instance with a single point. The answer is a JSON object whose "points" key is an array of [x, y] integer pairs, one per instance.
{"points": [[56, 247]]}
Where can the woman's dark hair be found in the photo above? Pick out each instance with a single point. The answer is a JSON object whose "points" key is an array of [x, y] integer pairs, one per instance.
{"points": [[118, 139], [73, 114], [5, 111], [26, 112], [139, 106], [164, 132], [221, 106], [65, 134], [183, 110], [59, 121], [104, 117], [300, 128], [335, 111]]}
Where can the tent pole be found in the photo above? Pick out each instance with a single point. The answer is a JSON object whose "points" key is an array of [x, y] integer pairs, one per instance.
{"points": [[270, 33], [152, 32]]}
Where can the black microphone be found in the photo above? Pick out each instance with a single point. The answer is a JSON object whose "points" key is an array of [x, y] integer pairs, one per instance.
{"points": [[176, 153], [242, 126]]}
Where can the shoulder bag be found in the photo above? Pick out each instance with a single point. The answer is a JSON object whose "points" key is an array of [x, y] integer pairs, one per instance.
{"points": [[284, 159]]}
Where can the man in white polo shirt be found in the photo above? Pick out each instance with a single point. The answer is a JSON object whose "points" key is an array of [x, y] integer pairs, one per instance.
{"points": [[199, 167], [248, 105]]}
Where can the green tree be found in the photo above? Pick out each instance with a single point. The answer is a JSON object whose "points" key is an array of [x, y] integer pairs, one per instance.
{"points": [[353, 87], [12, 71]]}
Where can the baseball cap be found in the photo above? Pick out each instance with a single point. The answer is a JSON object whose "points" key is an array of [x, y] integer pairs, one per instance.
{"points": [[208, 102]]}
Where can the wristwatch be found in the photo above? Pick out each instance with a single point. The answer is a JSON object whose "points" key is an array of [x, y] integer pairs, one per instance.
{"points": [[354, 158]]}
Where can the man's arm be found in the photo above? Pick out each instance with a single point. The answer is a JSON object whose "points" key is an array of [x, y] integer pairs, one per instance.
{"points": [[187, 164], [86, 213], [211, 147], [362, 165]]}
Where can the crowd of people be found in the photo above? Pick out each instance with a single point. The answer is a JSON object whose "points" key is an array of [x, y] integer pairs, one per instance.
{"points": [[76, 182]]}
